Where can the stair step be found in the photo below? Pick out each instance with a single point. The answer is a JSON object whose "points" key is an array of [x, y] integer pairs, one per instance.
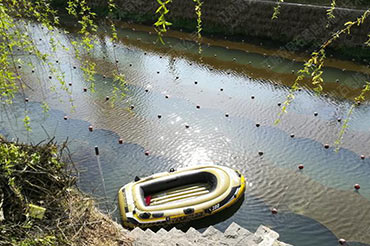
{"points": [[212, 234], [149, 232], [174, 232], [234, 235], [269, 236], [136, 233], [162, 232], [237, 235], [234, 230]]}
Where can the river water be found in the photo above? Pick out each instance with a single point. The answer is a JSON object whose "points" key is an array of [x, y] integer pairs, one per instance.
{"points": [[236, 86]]}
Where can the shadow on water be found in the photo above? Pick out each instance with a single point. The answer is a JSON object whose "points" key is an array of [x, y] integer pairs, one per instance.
{"points": [[288, 225], [122, 162], [203, 223]]}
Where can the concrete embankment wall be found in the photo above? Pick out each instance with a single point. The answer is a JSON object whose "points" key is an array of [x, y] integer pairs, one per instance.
{"points": [[252, 18]]}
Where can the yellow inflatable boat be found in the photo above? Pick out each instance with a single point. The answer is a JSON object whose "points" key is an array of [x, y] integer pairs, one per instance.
{"points": [[178, 196]]}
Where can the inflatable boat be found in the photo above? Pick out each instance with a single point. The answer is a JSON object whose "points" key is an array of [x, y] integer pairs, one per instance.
{"points": [[179, 195]]}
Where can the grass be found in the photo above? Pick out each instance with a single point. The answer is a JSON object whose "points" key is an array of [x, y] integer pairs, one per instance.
{"points": [[41, 205]]}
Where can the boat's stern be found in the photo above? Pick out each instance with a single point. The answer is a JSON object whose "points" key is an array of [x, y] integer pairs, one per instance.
{"points": [[125, 203], [122, 204]]}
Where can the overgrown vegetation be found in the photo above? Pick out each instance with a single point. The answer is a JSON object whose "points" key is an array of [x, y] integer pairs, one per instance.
{"points": [[40, 204]]}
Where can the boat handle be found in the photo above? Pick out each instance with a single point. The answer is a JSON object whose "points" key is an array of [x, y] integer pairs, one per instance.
{"points": [[188, 210]]}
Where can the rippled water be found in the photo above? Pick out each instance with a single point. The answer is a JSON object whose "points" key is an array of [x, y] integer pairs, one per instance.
{"points": [[316, 205]]}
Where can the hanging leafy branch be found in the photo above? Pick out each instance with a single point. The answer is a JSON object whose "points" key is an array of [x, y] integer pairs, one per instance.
{"points": [[162, 24], [330, 11], [119, 81], [119, 87], [313, 67], [368, 41], [198, 12], [111, 7], [85, 18], [276, 13], [345, 125], [318, 58]]}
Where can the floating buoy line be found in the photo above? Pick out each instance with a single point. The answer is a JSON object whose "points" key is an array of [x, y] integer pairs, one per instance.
{"points": [[187, 126]]}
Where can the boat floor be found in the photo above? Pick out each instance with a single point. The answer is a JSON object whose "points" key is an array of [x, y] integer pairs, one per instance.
{"points": [[180, 194]]}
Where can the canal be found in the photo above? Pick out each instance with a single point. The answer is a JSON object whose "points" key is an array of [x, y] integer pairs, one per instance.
{"points": [[218, 107]]}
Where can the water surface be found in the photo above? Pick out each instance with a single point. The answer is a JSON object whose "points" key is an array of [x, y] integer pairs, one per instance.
{"points": [[236, 87]]}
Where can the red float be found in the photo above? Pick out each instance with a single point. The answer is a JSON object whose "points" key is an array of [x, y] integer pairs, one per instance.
{"points": [[342, 241]]}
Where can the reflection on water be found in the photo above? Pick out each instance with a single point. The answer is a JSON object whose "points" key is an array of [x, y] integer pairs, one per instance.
{"points": [[316, 205]]}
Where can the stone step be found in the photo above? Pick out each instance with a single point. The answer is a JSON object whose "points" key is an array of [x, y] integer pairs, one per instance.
{"points": [[234, 235], [174, 232], [237, 235], [136, 233], [212, 234], [269, 236]]}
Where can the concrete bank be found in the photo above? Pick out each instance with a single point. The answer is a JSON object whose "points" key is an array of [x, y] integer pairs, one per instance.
{"points": [[234, 235], [303, 24]]}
